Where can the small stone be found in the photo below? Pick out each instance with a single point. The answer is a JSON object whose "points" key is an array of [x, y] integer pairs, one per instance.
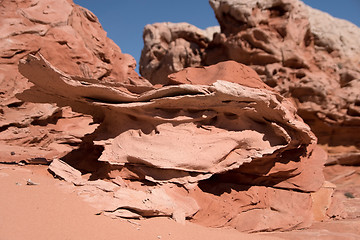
{"points": [[12, 153], [349, 195], [31, 183]]}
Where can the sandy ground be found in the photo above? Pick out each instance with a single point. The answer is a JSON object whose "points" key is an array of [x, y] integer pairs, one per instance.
{"points": [[52, 209]]}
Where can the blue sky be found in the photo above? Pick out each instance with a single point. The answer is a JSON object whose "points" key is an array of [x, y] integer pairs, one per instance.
{"points": [[124, 20]]}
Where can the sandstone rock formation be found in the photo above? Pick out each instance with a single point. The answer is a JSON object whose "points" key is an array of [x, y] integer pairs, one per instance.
{"points": [[70, 37], [301, 52], [170, 47], [223, 154], [218, 147]]}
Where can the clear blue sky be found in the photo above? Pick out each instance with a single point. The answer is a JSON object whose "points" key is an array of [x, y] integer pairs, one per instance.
{"points": [[124, 20]]}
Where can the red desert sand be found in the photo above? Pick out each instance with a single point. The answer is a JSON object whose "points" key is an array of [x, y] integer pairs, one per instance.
{"points": [[52, 209]]}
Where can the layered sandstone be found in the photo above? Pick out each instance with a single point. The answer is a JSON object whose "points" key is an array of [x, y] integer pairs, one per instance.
{"points": [[301, 52], [217, 146], [72, 38], [216, 154]]}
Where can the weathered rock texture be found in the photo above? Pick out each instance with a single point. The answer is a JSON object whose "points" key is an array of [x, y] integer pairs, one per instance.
{"points": [[70, 37], [301, 52], [170, 47], [222, 154]]}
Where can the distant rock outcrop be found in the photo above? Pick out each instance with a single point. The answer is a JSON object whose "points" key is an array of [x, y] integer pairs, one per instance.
{"points": [[301, 52], [219, 154], [170, 47]]}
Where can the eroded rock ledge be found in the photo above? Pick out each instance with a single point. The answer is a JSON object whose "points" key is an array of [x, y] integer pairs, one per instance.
{"points": [[303, 53], [72, 38], [214, 154]]}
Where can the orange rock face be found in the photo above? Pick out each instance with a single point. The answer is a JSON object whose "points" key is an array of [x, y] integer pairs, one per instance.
{"points": [[228, 71], [71, 31], [73, 39], [301, 52]]}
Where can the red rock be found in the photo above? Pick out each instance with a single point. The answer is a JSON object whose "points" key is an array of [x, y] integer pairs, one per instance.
{"points": [[73, 39], [345, 202], [64, 171], [322, 200], [170, 47], [301, 52], [208, 138], [235, 150], [253, 209], [228, 71], [38, 133]]}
